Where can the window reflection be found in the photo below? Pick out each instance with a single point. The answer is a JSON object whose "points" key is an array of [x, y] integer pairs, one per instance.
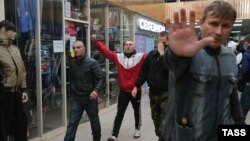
{"points": [[51, 31]]}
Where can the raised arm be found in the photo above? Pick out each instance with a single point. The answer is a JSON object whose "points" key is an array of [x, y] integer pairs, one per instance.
{"points": [[182, 37], [103, 49]]}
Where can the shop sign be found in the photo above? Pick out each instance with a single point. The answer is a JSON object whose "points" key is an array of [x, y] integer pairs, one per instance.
{"points": [[150, 26]]}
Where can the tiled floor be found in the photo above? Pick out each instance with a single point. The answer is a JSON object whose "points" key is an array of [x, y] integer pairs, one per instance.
{"points": [[107, 116]]}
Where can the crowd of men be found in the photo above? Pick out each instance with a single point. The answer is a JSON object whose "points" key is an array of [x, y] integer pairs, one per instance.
{"points": [[192, 80]]}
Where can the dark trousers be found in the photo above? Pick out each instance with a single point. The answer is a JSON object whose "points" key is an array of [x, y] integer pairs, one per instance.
{"points": [[76, 110], [123, 100], [3, 134], [158, 103], [245, 99], [13, 117]]}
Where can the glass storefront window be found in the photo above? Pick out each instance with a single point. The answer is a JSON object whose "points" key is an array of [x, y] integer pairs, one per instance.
{"points": [[99, 16], [127, 27], [97, 26], [76, 9], [76, 25], [25, 20], [115, 44], [51, 59]]}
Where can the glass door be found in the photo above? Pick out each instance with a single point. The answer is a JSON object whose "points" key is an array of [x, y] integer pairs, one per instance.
{"points": [[51, 53], [23, 14]]}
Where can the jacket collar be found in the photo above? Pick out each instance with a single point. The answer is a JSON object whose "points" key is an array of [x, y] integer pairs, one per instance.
{"points": [[5, 42], [210, 51], [81, 59], [213, 51], [128, 55]]}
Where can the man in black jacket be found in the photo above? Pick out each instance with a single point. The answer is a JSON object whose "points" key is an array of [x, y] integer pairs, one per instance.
{"points": [[156, 74], [86, 81]]}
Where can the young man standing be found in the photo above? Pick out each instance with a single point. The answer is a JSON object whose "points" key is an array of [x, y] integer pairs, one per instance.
{"points": [[86, 81], [156, 74], [205, 75], [128, 64]]}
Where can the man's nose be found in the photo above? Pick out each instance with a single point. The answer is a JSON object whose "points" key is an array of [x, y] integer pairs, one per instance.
{"points": [[218, 30]]}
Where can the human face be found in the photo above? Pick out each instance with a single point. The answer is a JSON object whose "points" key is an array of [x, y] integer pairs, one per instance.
{"points": [[245, 45], [216, 27], [163, 39], [78, 49], [129, 47], [11, 34]]}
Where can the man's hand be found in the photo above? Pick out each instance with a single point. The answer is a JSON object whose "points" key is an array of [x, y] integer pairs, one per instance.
{"points": [[182, 37], [93, 95], [134, 92], [161, 48], [24, 97]]}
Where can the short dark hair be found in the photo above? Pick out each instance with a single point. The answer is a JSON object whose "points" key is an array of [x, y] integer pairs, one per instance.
{"points": [[8, 25], [220, 8], [83, 45], [127, 41], [163, 33], [247, 38]]}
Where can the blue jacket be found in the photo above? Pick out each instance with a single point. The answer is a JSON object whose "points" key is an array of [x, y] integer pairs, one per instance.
{"points": [[245, 67], [204, 93]]}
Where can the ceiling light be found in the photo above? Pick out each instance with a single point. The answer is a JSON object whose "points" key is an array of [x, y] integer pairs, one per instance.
{"points": [[235, 31], [238, 24], [238, 21]]}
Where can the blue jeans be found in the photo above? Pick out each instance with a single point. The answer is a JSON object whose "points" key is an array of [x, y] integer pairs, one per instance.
{"points": [[76, 110], [245, 99]]}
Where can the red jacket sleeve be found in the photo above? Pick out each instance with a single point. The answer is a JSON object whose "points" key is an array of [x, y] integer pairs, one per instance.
{"points": [[112, 56]]}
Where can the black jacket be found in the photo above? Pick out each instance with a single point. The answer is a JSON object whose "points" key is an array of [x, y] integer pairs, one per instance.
{"points": [[154, 72], [85, 76]]}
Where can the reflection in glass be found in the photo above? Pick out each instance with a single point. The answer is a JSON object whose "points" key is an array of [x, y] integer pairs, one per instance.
{"points": [[127, 27], [76, 9], [75, 29], [25, 21], [97, 26], [114, 45], [51, 31]]}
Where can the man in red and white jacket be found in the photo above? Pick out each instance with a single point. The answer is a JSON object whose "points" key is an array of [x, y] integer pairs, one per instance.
{"points": [[128, 65]]}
